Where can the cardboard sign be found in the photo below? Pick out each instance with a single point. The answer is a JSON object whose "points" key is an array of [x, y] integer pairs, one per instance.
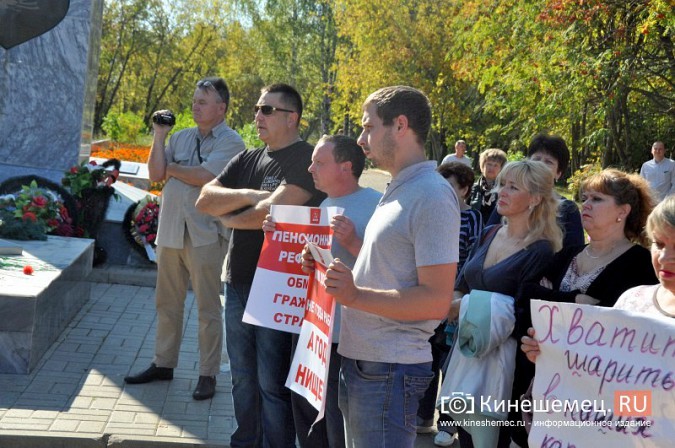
{"points": [[605, 378], [308, 375], [278, 293]]}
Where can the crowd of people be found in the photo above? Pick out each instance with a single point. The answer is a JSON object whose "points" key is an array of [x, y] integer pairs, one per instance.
{"points": [[409, 263]]}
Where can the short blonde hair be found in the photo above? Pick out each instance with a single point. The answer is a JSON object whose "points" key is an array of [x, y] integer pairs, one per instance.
{"points": [[494, 154], [662, 216], [537, 179]]}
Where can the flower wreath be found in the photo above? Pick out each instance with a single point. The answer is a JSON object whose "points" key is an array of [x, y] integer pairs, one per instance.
{"points": [[140, 225], [32, 207]]}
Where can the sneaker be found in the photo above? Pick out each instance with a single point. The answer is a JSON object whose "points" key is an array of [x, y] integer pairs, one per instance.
{"points": [[425, 426], [444, 439]]}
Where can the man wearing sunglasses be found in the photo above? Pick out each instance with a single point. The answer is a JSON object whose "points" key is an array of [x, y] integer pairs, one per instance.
{"points": [[190, 245], [241, 197]]}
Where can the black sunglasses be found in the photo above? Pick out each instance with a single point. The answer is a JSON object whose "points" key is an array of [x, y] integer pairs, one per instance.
{"points": [[269, 110]]}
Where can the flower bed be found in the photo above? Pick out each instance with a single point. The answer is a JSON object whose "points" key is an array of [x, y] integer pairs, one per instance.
{"points": [[129, 153], [122, 151]]}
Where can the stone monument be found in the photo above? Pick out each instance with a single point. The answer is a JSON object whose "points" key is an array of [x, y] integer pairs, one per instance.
{"points": [[49, 53], [48, 70]]}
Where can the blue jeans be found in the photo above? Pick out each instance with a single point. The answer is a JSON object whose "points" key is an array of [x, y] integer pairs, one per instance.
{"points": [[260, 359], [379, 402]]}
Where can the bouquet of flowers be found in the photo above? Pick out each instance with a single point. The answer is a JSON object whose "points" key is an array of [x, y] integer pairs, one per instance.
{"points": [[90, 175], [140, 224], [91, 186], [35, 211]]}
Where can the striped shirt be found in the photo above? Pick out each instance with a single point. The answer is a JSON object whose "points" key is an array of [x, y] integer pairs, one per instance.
{"points": [[470, 228]]}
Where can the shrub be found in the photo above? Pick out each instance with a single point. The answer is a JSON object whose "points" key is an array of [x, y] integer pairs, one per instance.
{"points": [[250, 136], [123, 127]]}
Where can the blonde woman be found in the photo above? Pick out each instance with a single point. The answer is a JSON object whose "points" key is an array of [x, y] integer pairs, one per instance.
{"points": [[509, 255]]}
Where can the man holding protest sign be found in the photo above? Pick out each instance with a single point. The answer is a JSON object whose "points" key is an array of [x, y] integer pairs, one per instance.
{"points": [[337, 164], [241, 196], [403, 278]]}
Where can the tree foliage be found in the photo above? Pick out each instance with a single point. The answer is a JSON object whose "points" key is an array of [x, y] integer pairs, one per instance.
{"points": [[600, 73]]}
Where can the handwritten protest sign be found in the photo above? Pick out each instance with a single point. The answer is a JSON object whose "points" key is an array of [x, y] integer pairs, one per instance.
{"points": [[278, 293], [605, 378], [308, 375]]}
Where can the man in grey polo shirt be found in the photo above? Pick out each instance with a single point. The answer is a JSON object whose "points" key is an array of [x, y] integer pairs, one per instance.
{"points": [[190, 245], [403, 279], [659, 172]]}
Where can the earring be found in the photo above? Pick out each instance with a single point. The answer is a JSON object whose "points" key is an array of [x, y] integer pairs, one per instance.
{"points": [[618, 219]]}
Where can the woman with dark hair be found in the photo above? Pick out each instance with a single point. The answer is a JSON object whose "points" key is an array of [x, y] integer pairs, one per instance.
{"points": [[461, 178], [553, 152]]}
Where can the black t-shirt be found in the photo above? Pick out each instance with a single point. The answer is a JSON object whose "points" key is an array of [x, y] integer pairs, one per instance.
{"points": [[261, 169]]}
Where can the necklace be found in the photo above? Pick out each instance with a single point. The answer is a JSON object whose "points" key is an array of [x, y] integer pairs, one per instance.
{"points": [[588, 253], [611, 251]]}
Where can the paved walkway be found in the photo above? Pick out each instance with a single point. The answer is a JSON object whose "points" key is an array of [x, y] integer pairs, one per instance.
{"points": [[76, 396]]}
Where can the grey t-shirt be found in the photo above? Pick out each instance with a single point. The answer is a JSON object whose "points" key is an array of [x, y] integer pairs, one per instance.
{"points": [[416, 224], [358, 207]]}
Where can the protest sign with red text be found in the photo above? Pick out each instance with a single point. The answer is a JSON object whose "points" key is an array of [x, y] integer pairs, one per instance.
{"points": [[278, 293], [308, 375]]}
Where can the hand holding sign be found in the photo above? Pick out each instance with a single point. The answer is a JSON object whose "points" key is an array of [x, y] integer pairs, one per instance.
{"points": [[340, 283], [344, 232], [269, 225], [307, 260], [530, 346]]}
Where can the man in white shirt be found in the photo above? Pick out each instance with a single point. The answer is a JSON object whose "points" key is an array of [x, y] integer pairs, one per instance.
{"points": [[458, 156], [659, 172]]}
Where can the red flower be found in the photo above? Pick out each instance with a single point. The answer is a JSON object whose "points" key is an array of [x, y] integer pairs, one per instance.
{"points": [[150, 238], [92, 162], [143, 228], [29, 215], [53, 223], [64, 230], [64, 214], [28, 269], [39, 201], [73, 170]]}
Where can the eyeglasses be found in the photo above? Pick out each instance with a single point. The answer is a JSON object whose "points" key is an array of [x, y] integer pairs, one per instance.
{"points": [[269, 110]]}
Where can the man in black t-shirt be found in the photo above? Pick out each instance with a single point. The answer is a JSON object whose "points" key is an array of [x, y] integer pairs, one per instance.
{"points": [[241, 197]]}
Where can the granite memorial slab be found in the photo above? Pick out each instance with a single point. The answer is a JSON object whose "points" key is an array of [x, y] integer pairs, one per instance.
{"points": [[37, 303], [48, 72]]}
